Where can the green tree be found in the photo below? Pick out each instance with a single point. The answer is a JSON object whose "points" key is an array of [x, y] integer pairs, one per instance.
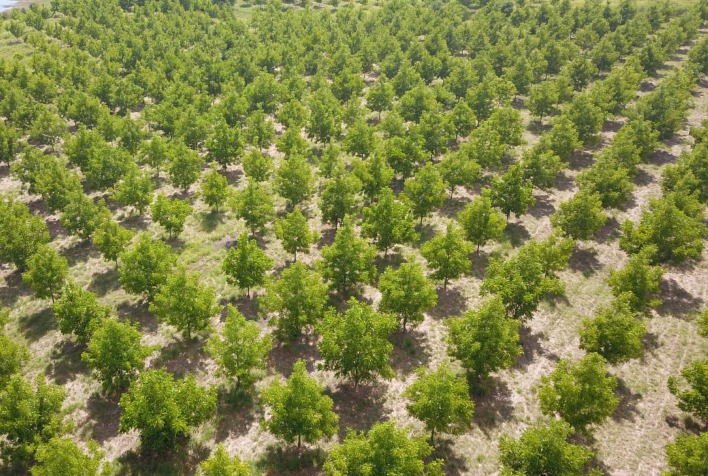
{"points": [[374, 174], [360, 139], [145, 266], [480, 222], [692, 389], [425, 191], [586, 116], [441, 400], [674, 235], [246, 264], [299, 410], [688, 455], [23, 233], [62, 456], [224, 144], [81, 216], [447, 254], [512, 192], [457, 170], [114, 354], [543, 450], [30, 415], [257, 166], [384, 450], [355, 345], [240, 351], [255, 205], [338, 198], [295, 234], [542, 167], [609, 179], [562, 139], [46, 272], [298, 299], [463, 119], [615, 332], [78, 312], [638, 282], [163, 410], [135, 190], [543, 98], [380, 95], [221, 464], [111, 239], [580, 217], [406, 293], [347, 261], [388, 222], [185, 166], [581, 393], [294, 180], [214, 189], [171, 213], [484, 340]]}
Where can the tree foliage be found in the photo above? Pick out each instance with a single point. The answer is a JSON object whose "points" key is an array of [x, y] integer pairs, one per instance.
{"points": [[246, 264], [406, 293]]}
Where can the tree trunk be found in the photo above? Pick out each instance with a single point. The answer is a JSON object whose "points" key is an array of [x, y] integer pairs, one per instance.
{"points": [[299, 441]]}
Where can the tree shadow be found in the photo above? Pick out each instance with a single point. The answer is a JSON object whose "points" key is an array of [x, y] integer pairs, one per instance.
{"points": [[453, 464], [452, 206], [248, 306], [493, 405], [409, 351], [609, 232], [584, 260], [451, 302], [37, 325], [612, 125], [276, 461], [480, 261], [138, 312], [326, 238], [427, 232], [359, 408], [563, 182], [627, 408], [66, 362], [182, 357], [102, 283], [650, 343], [686, 423], [283, 356], [235, 415], [661, 157], [391, 260], [104, 414], [14, 290], [676, 301], [516, 234], [208, 221], [580, 160], [80, 252], [135, 222], [542, 208], [532, 348], [181, 461], [642, 178]]}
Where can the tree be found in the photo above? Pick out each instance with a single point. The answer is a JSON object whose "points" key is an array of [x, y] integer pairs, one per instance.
{"points": [[388, 222], [171, 213], [693, 399], [240, 351], [457, 170], [485, 147], [425, 191], [185, 166], [295, 233], [13, 356], [61, 456], [360, 139], [46, 272], [347, 261], [586, 116], [299, 410], [81, 216], [484, 340], [581, 393], [638, 282], [580, 217], [246, 264], [380, 95], [480, 222], [562, 139], [609, 179], [259, 130], [406, 293], [512, 192], [463, 118], [542, 167], [338, 198], [441, 400], [615, 333], [135, 190], [111, 239], [374, 174], [183, 302], [145, 266], [355, 345], [384, 450], [224, 144], [23, 233], [255, 206], [221, 464], [298, 299], [30, 415], [688, 455], [543, 98], [78, 312], [115, 354], [674, 235], [294, 180], [543, 450], [257, 166], [447, 254], [163, 410], [214, 189]]}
